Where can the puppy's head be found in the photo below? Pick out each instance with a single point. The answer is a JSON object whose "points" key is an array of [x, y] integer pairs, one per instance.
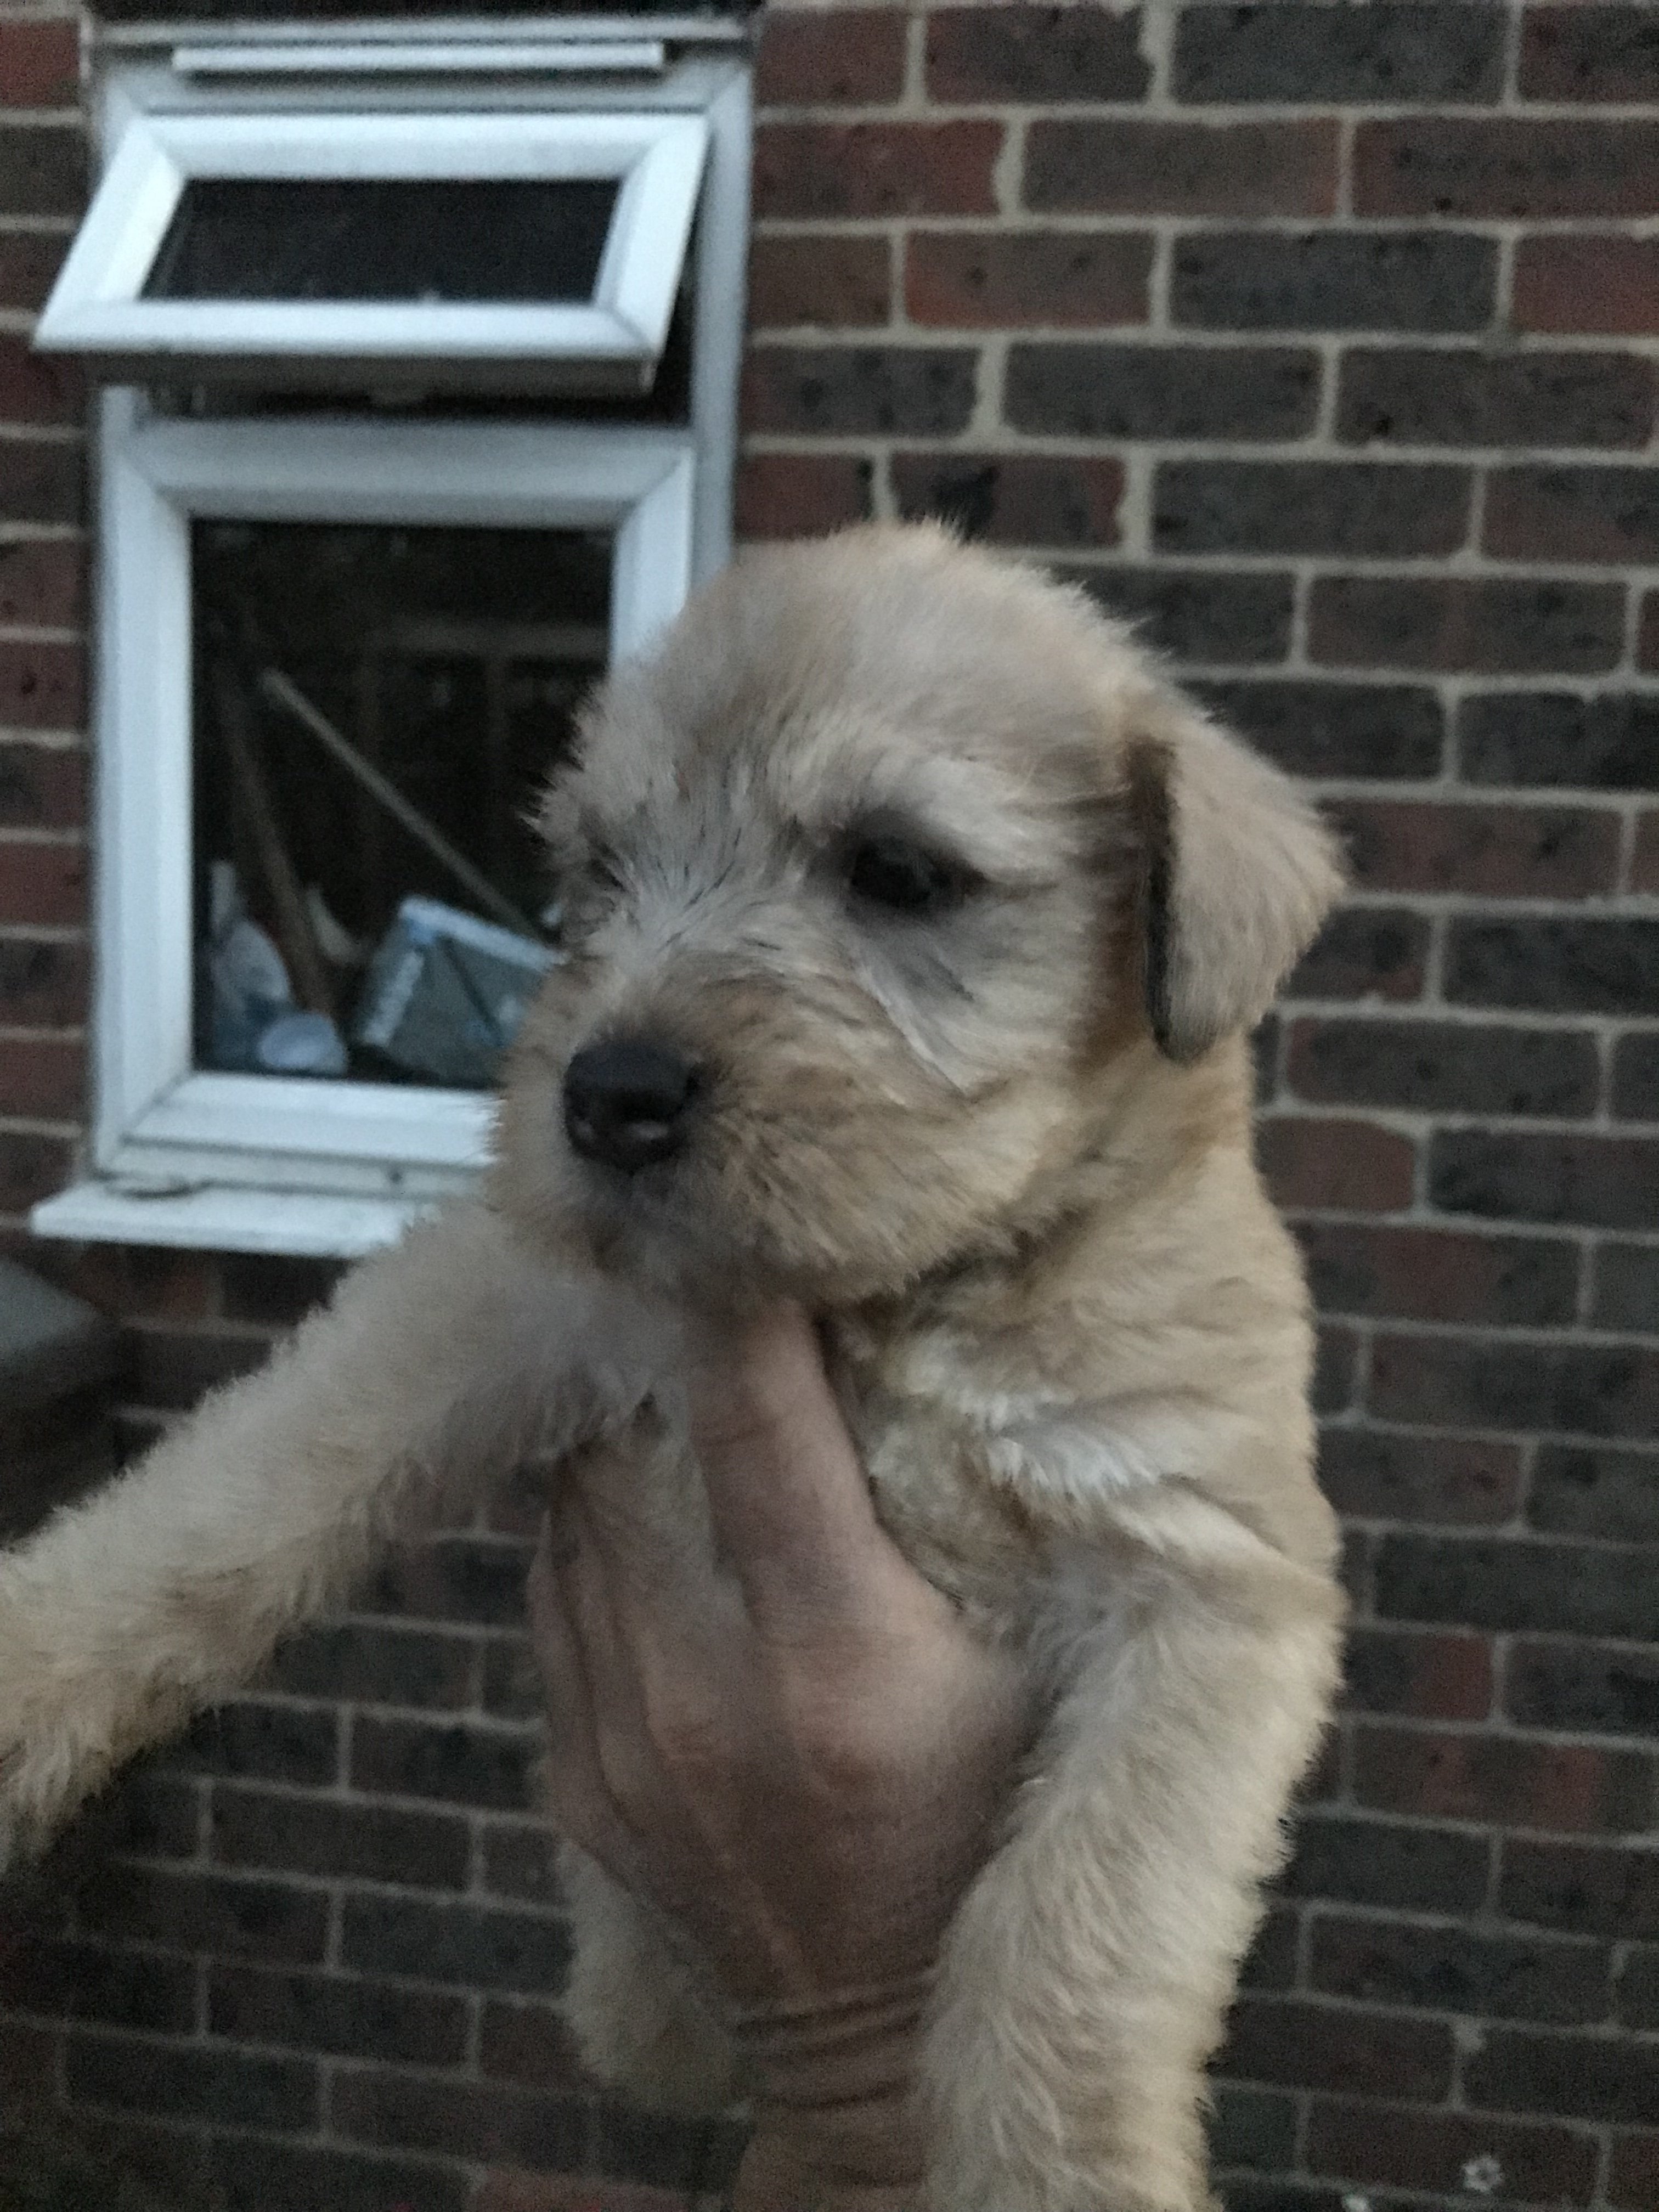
{"points": [[874, 872]]}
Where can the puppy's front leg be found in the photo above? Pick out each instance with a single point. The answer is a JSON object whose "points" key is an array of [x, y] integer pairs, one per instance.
{"points": [[1085, 1979], [436, 1361]]}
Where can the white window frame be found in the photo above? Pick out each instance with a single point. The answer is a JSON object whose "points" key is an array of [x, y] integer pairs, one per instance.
{"points": [[97, 306]]}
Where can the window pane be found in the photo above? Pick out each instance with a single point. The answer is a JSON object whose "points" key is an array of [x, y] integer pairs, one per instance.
{"points": [[385, 238], [375, 711]]}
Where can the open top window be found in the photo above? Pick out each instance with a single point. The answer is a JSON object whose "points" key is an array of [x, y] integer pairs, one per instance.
{"points": [[537, 250]]}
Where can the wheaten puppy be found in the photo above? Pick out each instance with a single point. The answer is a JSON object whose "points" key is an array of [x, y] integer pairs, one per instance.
{"points": [[916, 927]]}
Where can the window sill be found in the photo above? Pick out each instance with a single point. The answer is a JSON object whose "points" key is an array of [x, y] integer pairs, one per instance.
{"points": [[219, 1217]]}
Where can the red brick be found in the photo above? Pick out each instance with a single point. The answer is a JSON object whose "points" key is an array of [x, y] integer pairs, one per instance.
{"points": [[1349, 1165], [859, 390], [1572, 513], [1633, 2177], [29, 262], [1441, 1274], [42, 583], [42, 1079], [1590, 282], [854, 57], [819, 169], [1015, 53], [1059, 500], [42, 885], [799, 494], [1645, 861], [1478, 851], [1378, 1475], [37, 387], [136, 1282], [507, 2189], [41, 685], [32, 1167], [1415, 2149], [41, 787], [992, 280], [529, 2042], [1563, 1787], [43, 982], [1439, 166], [1119, 167], [41, 479], [826, 279], [40, 64], [1456, 623], [1423, 1675], [1589, 51]]}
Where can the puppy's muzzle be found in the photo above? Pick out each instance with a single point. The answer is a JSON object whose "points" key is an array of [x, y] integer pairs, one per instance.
{"points": [[627, 1102]]}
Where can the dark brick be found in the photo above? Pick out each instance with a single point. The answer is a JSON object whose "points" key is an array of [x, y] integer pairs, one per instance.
{"points": [[1415, 2149], [1604, 1492], [511, 1684], [1195, 615], [1012, 498], [1271, 1960], [1402, 1865], [1161, 391], [1113, 165], [190, 2081], [1594, 1390], [378, 1665], [453, 1578], [460, 1764], [1627, 1287], [37, 388], [70, 1980], [327, 2012], [1371, 1474], [1596, 515], [1022, 53], [1589, 51], [1480, 851], [1352, 508], [1644, 854], [253, 2175], [273, 1289], [176, 1366], [521, 1861], [1587, 283], [822, 277], [1638, 1987], [1592, 1889], [41, 787], [1351, 1167], [1597, 1182], [1636, 1079], [1424, 1066], [1585, 1689], [1608, 743], [1633, 2173], [479, 1946], [233, 1915], [42, 169], [1418, 1672], [31, 1168], [1387, 51], [1399, 396], [1589, 2077], [783, 495], [1511, 1583], [1365, 953], [275, 1742], [916, 391], [1592, 966], [1506, 166], [1431, 1274], [492, 2121], [630, 2145], [1456, 1775], [815, 171], [29, 262], [853, 58], [43, 584], [1450, 1969], [1333, 280], [1310, 2045], [43, 1078], [322, 1835], [150, 1815], [522, 2041], [41, 479], [1252, 2128], [996, 279], [1454, 622], [1314, 729], [42, 686], [1336, 1368]]}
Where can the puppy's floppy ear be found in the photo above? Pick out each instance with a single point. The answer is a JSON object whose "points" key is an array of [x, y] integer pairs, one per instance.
{"points": [[1237, 873]]}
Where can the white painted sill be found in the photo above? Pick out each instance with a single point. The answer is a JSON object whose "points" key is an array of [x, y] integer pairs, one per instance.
{"points": [[220, 1217]]}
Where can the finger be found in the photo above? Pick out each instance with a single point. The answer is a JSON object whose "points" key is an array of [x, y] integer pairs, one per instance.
{"points": [[645, 1521], [788, 1495], [612, 1665], [572, 1775]]}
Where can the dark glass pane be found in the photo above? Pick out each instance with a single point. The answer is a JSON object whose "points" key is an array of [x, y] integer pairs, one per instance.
{"points": [[389, 933], [536, 239]]}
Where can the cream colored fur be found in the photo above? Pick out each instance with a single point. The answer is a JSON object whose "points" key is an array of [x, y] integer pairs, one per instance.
{"points": [[1004, 1149]]}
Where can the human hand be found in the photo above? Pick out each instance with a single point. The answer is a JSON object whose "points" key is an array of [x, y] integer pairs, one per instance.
{"points": [[796, 1750]]}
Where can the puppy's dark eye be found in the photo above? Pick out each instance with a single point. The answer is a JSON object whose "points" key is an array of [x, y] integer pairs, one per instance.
{"points": [[891, 872]]}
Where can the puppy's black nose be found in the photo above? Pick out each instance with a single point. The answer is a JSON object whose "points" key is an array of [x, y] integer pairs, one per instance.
{"points": [[625, 1102]]}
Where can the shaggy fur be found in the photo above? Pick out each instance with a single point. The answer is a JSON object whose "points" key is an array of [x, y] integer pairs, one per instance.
{"points": [[1003, 1147]]}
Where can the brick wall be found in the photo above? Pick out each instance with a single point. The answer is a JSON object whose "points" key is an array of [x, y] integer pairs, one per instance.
{"points": [[1321, 338]]}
